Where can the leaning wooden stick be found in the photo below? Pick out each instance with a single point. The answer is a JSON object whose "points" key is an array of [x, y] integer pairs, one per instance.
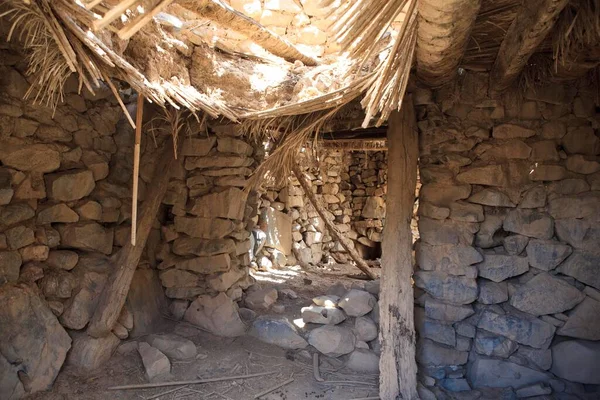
{"points": [[136, 165], [360, 263], [193, 382], [274, 388]]}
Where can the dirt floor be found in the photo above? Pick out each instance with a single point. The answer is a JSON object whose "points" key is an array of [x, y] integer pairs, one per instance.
{"points": [[226, 357]]}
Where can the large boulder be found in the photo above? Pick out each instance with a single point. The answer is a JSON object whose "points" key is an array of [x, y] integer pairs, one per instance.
{"points": [[332, 340], [577, 361], [70, 186], [432, 353], [174, 346], [546, 254], [32, 341], [322, 315], [278, 332], [486, 372], [363, 360], [219, 315], [525, 330], [583, 266], [156, 364], [454, 289], [80, 307], [584, 321], [529, 223], [89, 353], [357, 303], [498, 267], [88, 236], [546, 294]]}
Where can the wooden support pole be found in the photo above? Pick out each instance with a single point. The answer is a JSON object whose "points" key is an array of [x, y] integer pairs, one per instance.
{"points": [[136, 165], [126, 260], [397, 365], [360, 263]]}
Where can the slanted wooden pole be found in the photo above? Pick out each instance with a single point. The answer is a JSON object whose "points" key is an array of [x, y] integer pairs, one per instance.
{"points": [[360, 263], [136, 165], [115, 291], [397, 365]]}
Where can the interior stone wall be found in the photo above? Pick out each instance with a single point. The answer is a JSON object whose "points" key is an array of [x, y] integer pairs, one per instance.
{"points": [[65, 200], [204, 253], [507, 278], [351, 186]]}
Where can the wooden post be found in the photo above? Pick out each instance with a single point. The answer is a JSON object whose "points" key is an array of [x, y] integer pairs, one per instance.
{"points": [[397, 365], [360, 263], [115, 291]]}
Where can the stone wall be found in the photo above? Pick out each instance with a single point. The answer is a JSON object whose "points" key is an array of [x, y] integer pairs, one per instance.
{"points": [[65, 202], [206, 233], [351, 185], [508, 294]]}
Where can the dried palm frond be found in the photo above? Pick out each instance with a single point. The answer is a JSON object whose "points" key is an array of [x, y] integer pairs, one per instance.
{"points": [[577, 31], [290, 135]]}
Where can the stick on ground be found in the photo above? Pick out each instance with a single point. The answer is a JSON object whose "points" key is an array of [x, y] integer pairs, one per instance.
{"points": [[193, 382], [274, 388]]}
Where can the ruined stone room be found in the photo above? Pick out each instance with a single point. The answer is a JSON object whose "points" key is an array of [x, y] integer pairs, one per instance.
{"points": [[300, 199]]}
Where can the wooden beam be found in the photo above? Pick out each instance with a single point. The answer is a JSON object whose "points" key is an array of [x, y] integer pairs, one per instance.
{"points": [[397, 365], [223, 14], [360, 263], [127, 259], [535, 18], [442, 37]]}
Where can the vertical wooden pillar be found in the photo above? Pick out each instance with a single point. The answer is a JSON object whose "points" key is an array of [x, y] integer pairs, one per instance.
{"points": [[398, 368]]}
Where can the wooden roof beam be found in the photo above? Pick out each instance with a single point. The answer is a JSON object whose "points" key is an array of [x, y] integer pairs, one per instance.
{"points": [[222, 14], [442, 37], [534, 19]]}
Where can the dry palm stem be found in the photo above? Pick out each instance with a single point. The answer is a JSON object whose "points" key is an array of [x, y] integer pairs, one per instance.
{"points": [[192, 382], [360, 263], [136, 166]]}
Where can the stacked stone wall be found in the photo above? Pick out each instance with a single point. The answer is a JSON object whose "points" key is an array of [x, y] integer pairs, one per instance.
{"points": [[507, 288], [351, 186]]}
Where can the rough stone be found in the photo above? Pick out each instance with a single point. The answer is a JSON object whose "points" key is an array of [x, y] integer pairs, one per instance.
{"points": [[500, 374], [365, 329], [185, 246], [583, 266], [431, 353], [548, 173], [583, 322], [87, 236], [455, 289], [582, 165], [510, 131], [197, 147], [490, 175], [332, 340], [569, 186], [204, 228], [219, 315], [534, 198], [261, 299], [544, 150], [466, 212], [374, 208], [34, 157], [546, 254], [155, 362], [57, 213], [279, 332], [80, 308], [329, 300], [89, 353], [10, 265], [492, 345], [491, 197], [529, 223], [492, 292], [432, 211], [70, 186], [16, 213], [436, 331], [229, 203], [515, 244], [525, 330], [582, 206], [178, 278], [447, 312], [33, 341], [363, 360], [445, 257], [497, 267], [581, 140], [577, 361], [173, 346], [443, 195], [540, 358], [546, 294], [357, 303], [205, 265], [177, 308], [538, 389], [236, 146], [447, 232], [19, 237], [222, 282], [323, 315], [146, 301]]}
